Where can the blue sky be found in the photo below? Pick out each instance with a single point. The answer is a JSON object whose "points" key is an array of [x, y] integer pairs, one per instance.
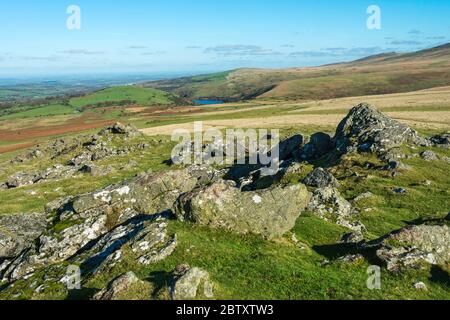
{"points": [[209, 35]]}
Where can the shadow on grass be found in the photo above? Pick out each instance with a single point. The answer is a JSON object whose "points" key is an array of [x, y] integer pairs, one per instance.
{"points": [[440, 276], [335, 251], [82, 294]]}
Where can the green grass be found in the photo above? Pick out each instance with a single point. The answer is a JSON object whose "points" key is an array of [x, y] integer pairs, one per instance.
{"points": [[141, 96], [44, 111]]}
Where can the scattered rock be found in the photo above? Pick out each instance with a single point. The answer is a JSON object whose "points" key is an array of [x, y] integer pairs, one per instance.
{"points": [[263, 212], [187, 283], [442, 140], [365, 195], [429, 156], [118, 128], [413, 246], [126, 287], [320, 178], [329, 204], [400, 191], [96, 171], [420, 286], [352, 237]]}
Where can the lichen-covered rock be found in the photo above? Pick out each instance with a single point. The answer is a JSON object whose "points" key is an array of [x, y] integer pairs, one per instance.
{"points": [[320, 178], [414, 246], [270, 212], [187, 283], [367, 129], [126, 287], [331, 206], [147, 193], [18, 231], [146, 237]]}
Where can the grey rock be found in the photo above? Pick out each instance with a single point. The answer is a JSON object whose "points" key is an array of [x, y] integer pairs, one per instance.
{"points": [[320, 178], [265, 212], [121, 129], [125, 287], [319, 145], [420, 286], [414, 246], [329, 205], [429, 156], [18, 231], [188, 281], [400, 191], [371, 131]]}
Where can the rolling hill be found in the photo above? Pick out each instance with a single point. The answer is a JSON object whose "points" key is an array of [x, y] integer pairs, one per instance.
{"points": [[380, 74]]}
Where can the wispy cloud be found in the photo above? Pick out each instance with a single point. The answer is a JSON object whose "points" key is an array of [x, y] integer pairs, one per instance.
{"points": [[194, 47], [338, 52], [137, 47], [405, 43], [241, 50], [82, 52], [415, 31], [288, 45], [437, 38], [153, 53]]}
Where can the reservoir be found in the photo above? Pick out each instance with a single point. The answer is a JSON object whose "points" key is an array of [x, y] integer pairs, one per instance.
{"points": [[208, 101]]}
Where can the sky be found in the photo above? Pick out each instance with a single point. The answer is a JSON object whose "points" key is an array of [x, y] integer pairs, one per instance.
{"points": [[208, 35]]}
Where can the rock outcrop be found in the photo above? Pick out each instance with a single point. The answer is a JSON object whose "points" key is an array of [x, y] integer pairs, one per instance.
{"points": [[18, 231], [367, 129], [416, 246], [270, 212]]}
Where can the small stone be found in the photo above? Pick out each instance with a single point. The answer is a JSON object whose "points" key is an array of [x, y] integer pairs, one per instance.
{"points": [[420, 286], [400, 191], [429, 156]]}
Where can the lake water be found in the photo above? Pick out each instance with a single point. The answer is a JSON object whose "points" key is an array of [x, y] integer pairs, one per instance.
{"points": [[206, 102]]}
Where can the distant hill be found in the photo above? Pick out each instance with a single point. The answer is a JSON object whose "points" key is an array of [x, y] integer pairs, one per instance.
{"points": [[379, 74], [120, 96]]}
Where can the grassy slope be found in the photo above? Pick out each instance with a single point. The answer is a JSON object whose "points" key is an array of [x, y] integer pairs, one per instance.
{"points": [[142, 96], [373, 75]]}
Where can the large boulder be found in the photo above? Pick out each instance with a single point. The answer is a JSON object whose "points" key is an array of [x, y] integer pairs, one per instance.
{"points": [[416, 246], [270, 212], [18, 231], [367, 129]]}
